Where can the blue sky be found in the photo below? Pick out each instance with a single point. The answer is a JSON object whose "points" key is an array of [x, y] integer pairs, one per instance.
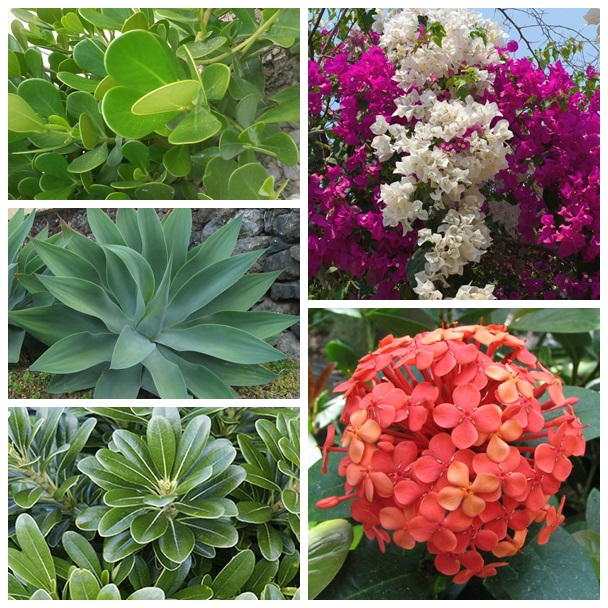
{"points": [[565, 17]]}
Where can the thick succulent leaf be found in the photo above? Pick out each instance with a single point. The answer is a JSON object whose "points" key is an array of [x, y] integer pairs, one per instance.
{"points": [[81, 552], [177, 228], [173, 97], [131, 348], [149, 526], [177, 542], [75, 353], [71, 383], [15, 342], [201, 381], [156, 309], [234, 374], [207, 284], [246, 292], [55, 322], [86, 248], [126, 222], [19, 227], [119, 383], [215, 248], [33, 545], [123, 287], [260, 324], [134, 449], [194, 592], [64, 263], [88, 520], [254, 512], [87, 298], [103, 228], [154, 247], [190, 446], [161, 445], [139, 268], [167, 377], [222, 342]]}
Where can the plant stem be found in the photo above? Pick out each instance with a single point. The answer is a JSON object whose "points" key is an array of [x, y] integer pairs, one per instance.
{"points": [[243, 46]]}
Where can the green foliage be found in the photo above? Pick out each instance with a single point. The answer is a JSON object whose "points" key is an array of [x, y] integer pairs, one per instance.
{"points": [[328, 545], [186, 84], [185, 504], [136, 308]]}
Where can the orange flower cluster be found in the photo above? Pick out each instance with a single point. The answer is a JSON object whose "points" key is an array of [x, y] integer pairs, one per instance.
{"points": [[457, 438]]}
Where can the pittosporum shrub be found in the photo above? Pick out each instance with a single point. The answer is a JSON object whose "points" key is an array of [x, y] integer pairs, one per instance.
{"points": [[142, 503], [147, 103], [135, 307]]}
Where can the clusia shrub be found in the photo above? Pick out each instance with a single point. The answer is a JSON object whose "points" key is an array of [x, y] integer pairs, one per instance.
{"points": [[458, 438], [441, 149]]}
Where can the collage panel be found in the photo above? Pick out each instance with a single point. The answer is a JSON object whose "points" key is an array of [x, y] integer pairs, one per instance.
{"points": [[455, 454], [154, 104], [454, 153], [139, 503], [154, 303]]}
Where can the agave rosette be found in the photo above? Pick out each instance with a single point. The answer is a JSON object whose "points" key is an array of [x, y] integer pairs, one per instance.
{"points": [[136, 308]]}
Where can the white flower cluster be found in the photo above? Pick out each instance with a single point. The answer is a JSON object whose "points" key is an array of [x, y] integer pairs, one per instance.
{"points": [[449, 145], [417, 59]]}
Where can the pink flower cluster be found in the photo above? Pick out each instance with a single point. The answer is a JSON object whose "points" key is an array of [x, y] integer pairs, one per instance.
{"points": [[553, 174], [345, 218]]}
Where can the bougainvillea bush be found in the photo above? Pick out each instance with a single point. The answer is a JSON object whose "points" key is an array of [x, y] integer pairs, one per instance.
{"points": [[142, 503], [442, 166], [127, 103], [460, 447]]}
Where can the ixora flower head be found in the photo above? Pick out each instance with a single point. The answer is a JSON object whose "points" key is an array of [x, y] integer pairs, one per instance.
{"points": [[457, 438]]}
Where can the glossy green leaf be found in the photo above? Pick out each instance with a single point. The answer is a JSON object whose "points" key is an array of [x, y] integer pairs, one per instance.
{"points": [[148, 526], [34, 546], [81, 552], [197, 125], [231, 579], [83, 585], [173, 97], [216, 78], [21, 116], [177, 542], [141, 61], [546, 572], [269, 542]]}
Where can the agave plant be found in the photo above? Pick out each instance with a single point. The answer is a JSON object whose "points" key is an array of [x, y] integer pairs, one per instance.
{"points": [[136, 308], [170, 488], [43, 478]]}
